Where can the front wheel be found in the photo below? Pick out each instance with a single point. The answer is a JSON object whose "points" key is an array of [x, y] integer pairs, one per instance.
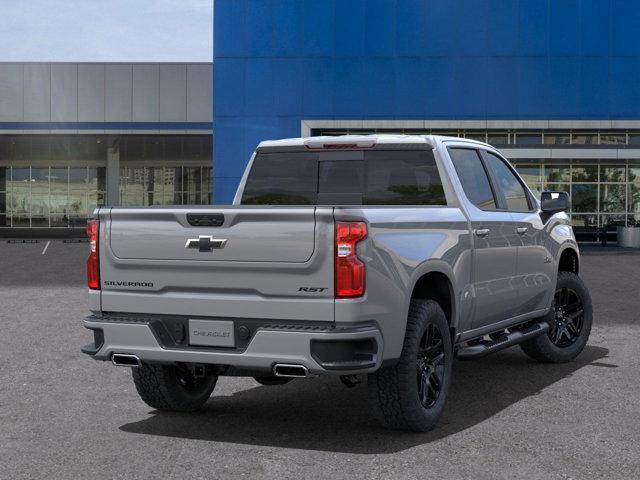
{"points": [[172, 388], [412, 394], [569, 320]]}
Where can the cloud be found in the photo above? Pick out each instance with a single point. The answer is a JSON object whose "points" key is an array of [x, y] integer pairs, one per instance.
{"points": [[106, 30]]}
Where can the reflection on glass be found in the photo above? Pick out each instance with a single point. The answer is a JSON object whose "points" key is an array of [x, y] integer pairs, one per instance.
{"points": [[480, 136], [584, 220], [584, 138], [529, 173], [557, 173], [39, 220], [497, 138], [612, 198], [634, 198], [77, 204], [40, 181], [558, 187], [20, 221], [529, 139], [612, 220], [612, 173], [584, 198], [78, 178], [560, 138], [613, 138], [584, 173], [20, 179], [59, 203], [39, 204], [59, 220]]}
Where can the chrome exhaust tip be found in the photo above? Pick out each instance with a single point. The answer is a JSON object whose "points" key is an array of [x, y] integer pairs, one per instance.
{"points": [[125, 360], [290, 371]]}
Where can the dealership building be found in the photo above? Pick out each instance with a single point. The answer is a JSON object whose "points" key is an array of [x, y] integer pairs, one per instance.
{"points": [[74, 136], [554, 85]]}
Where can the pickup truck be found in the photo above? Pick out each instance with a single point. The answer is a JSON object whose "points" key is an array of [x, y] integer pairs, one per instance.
{"points": [[380, 257]]}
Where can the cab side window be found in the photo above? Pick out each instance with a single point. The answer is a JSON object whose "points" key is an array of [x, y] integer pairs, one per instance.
{"points": [[473, 177], [514, 193]]}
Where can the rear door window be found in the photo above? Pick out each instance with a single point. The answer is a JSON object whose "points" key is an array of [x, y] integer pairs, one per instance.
{"points": [[379, 177], [473, 177]]}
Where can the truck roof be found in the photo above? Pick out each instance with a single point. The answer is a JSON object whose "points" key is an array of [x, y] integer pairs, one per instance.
{"points": [[361, 140]]}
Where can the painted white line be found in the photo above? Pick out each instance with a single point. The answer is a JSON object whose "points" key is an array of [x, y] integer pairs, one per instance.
{"points": [[45, 247]]}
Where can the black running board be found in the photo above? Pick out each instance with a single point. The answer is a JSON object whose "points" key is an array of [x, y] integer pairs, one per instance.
{"points": [[505, 340]]}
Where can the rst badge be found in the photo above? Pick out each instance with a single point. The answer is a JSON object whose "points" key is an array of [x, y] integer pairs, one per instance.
{"points": [[205, 243]]}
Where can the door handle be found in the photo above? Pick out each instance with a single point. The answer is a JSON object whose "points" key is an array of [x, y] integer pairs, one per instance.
{"points": [[481, 232], [522, 230]]}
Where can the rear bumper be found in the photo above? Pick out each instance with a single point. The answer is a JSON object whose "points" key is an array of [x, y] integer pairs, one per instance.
{"points": [[323, 351]]}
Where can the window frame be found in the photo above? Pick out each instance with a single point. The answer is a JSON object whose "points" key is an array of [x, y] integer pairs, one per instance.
{"points": [[484, 166], [493, 180]]}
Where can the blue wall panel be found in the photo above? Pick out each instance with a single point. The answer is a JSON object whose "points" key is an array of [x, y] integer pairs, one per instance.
{"points": [[277, 62]]}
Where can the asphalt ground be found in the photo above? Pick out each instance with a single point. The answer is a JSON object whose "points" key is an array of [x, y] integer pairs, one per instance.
{"points": [[63, 415]]}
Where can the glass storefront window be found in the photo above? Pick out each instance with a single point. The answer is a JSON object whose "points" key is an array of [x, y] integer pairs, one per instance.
{"points": [[557, 173], [634, 198], [558, 187], [584, 138], [612, 198], [497, 138], [480, 135], [613, 138], [590, 221], [584, 173], [584, 197], [557, 138], [57, 180], [528, 138], [612, 220], [614, 173]]}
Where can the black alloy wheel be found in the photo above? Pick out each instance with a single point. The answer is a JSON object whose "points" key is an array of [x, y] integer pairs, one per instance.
{"points": [[569, 318], [430, 366]]}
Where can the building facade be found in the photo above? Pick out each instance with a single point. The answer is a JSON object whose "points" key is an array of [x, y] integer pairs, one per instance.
{"points": [[552, 84], [74, 136]]}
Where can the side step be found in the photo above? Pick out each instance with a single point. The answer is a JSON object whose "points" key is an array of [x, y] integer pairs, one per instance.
{"points": [[505, 340]]}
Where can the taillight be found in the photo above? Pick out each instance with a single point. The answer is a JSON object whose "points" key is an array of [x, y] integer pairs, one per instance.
{"points": [[93, 262], [349, 270]]}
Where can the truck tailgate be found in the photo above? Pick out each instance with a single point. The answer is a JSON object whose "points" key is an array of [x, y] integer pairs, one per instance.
{"points": [[261, 262]]}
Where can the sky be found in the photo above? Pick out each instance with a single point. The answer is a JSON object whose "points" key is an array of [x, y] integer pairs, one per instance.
{"points": [[106, 30]]}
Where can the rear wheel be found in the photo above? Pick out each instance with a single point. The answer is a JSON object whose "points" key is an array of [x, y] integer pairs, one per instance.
{"points": [[412, 394], [172, 387], [569, 320]]}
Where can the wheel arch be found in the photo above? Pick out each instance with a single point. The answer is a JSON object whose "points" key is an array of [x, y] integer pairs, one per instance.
{"points": [[569, 260], [435, 282]]}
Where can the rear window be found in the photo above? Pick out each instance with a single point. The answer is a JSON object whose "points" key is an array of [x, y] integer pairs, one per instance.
{"points": [[378, 177]]}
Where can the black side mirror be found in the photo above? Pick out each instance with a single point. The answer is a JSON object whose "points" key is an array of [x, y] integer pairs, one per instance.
{"points": [[554, 202]]}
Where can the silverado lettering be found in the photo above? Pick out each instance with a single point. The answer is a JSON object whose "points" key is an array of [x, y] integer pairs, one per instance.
{"points": [[112, 283]]}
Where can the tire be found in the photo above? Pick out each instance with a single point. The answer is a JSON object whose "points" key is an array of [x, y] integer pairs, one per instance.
{"points": [[396, 394], [272, 380], [172, 387], [570, 325]]}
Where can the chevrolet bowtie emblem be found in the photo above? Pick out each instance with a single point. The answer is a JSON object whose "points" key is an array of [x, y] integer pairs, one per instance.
{"points": [[206, 243]]}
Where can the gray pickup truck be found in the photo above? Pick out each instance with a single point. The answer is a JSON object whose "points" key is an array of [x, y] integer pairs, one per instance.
{"points": [[355, 256]]}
